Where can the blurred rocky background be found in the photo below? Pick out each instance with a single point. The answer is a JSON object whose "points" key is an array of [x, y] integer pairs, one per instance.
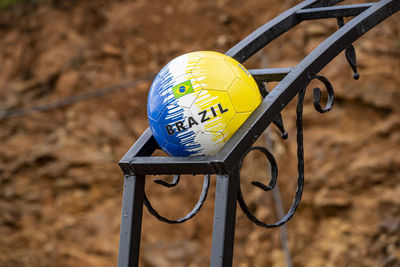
{"points": [[61, 187]]}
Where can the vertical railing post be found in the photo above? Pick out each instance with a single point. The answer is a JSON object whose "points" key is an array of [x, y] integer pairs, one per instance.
{"points": [[224, 219], [131, 221]]}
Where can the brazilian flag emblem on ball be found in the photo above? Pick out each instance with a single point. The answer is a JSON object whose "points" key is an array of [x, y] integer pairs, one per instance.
{"points": [[182, 89], [198, 101]]}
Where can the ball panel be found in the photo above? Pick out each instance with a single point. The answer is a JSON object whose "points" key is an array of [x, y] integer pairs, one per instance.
{"points": [[208, 73], [235, 124], [166, 90], [213, 110], [173, 123], [183, 64], [187, 100], [157, 132], [244, 97], [154, 100], [241, 72], [211, 142], [174, 73], [211, 54]]}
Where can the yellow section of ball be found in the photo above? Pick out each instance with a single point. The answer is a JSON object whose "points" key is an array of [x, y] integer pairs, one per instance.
{"points": [[229, 94], [244, 97], [235, 124], [212, 72]]}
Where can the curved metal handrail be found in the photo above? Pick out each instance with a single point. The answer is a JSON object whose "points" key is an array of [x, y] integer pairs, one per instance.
{"points": [[294, 83], [138, 162], [300, 76]]}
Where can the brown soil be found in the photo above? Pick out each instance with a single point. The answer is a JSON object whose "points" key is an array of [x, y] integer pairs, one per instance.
{"points": [[61, 187]]}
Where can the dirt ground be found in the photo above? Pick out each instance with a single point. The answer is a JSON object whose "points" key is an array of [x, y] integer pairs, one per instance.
{"points": [[60, 184]]}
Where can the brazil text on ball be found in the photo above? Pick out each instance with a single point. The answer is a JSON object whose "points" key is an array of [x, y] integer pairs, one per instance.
{"points": [[191, 121]]}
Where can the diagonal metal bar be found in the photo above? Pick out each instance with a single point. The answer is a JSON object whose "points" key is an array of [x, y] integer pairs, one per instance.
{"points": [[332, 12], [144, 146], [324, 3], [270, 75], [271, 30]]}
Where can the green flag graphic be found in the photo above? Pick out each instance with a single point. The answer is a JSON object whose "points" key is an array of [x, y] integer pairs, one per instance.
{"points": [[182, 89]]}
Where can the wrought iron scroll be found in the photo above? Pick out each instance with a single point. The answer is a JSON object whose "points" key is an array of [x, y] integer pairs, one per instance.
{"points": [[300, 156], [190, 215], [278, 120], [174, 182], [350, 53]]}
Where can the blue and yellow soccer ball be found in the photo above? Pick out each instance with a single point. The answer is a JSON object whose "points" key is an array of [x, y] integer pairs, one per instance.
{"points": [[198, 101]]}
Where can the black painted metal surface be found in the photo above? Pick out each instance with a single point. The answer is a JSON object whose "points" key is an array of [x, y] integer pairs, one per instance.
{"points": [[224, 218], [131, 222], [293, 82], [332, 12]]}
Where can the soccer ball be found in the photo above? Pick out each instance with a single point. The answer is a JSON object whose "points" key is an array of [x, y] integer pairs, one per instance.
{"points": [[198, 101]]}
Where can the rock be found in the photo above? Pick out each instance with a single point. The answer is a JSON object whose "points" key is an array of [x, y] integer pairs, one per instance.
{"points": [[225, 19], [67, 82], [173, 253], [110, 50], [327, 201]]}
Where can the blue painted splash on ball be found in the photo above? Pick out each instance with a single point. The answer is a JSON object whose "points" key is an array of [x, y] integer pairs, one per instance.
{"points": [[160, 104]]}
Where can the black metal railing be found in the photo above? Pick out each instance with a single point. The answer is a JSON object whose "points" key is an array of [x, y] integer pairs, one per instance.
{"points": [[138, 162]]}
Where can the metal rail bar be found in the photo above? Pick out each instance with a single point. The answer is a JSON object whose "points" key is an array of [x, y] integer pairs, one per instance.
{"points": [[270, 75], [299, 77], [271, 30], [332, 12], [173, 165], [144, 146]]}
